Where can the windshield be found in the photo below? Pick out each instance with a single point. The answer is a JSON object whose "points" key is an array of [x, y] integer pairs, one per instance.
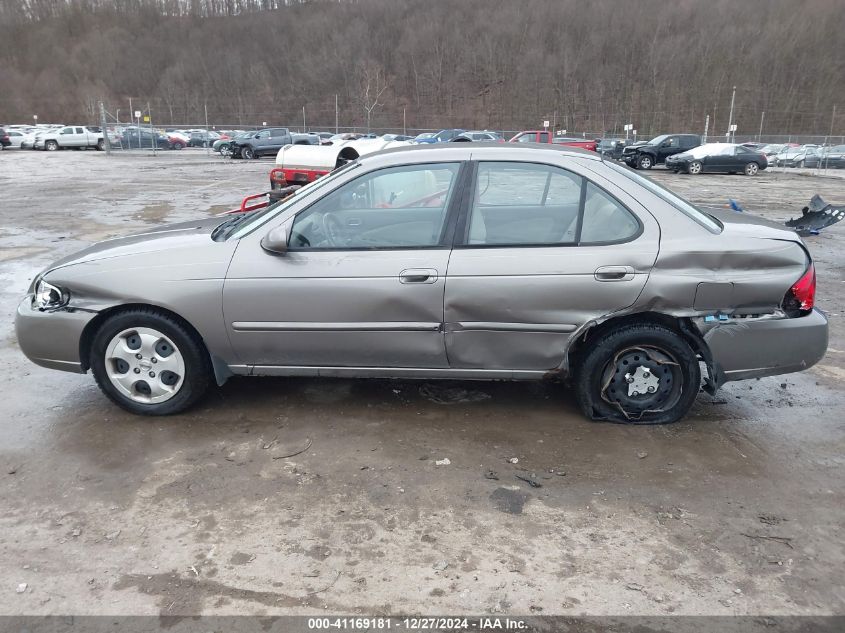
{"points": [[246, 223], [684, 206], [657, 140]]}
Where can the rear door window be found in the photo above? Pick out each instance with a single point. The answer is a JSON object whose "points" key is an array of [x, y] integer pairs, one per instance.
{"points": [[528, 204]]}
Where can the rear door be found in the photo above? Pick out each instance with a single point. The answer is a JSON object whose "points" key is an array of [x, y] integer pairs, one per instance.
{"points": [[362, 283], [540, 250]]}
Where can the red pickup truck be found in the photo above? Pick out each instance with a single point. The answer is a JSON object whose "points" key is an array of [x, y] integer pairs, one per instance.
{"points": [[545, 136]]}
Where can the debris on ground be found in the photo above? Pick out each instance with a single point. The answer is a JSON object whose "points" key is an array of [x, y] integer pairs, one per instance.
{"points": [[513, 460], [783, 540], [816, 216], [491, 474], [440, 565], [21, 587], [112, 535], [633, 586], [642, 454], [442, 462], [293, 452], [770, 519], [529, 481], [451, 395]]}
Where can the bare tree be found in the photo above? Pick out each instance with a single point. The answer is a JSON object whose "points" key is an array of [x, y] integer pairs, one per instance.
{"points": [[373, 83]]}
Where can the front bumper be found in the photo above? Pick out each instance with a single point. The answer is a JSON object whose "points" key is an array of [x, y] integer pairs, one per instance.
{"points": [[51, 339], [754, 348]]}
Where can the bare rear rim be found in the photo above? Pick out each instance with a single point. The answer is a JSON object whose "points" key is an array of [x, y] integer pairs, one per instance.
{"points": [[144, 365], [642, 381]]}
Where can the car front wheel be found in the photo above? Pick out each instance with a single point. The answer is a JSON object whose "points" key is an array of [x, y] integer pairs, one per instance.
{"points": [[694, 167], [638, 374], [51, 146], [247, 153], [149, 363], [645, 162]]}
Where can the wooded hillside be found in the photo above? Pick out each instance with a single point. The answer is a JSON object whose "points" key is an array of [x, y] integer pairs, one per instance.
{"points": [[499, 64]]}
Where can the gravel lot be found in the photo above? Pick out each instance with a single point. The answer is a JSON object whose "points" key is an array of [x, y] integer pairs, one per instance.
{"points": [[737, 510]]}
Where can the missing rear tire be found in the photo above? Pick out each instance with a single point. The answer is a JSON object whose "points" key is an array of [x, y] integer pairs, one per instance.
{"points": [[638, 374]]}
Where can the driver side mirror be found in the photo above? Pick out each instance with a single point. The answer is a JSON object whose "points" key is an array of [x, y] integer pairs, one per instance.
{"points": [[276, 241]]}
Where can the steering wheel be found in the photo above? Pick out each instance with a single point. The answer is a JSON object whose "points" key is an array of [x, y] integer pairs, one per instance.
{"points": [[333, 229]]}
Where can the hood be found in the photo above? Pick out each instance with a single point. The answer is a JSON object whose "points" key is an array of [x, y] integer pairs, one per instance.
{"points": [[747, 225], [161, 238]]}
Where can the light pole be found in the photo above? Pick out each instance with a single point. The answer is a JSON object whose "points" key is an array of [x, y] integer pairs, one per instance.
{"points": [[731, 115]]}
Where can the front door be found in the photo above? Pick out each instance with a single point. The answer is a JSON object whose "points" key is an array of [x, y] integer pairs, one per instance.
{"points": [[362, 282], [544, 250]]}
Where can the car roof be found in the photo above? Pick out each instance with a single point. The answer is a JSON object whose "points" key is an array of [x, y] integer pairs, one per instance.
{"points": [[479, 149]]}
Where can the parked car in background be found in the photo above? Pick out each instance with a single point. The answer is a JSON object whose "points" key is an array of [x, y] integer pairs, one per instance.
{"points": [[70, 137], [545, 136], [478, 136], [831, 157], [564, 265], [268, 142], [396, 137], [611, 147], [728, 158], [223, 146], [658, 149], [202, 138], [139, 138], [795, 156], [443, 136], [5, 139], [177, 141]]}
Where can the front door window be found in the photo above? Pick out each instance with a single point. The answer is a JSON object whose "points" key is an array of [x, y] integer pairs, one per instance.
{"points": [[401, 207]]}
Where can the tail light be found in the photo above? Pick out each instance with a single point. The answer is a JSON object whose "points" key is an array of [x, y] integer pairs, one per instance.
{"points": [[801, 297]]}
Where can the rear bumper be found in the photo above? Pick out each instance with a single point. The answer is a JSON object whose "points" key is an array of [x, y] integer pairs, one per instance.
{"points": [[51, 339], [767, 347]]}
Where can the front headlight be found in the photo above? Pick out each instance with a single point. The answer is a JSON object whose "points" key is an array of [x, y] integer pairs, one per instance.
{"points": [[48, 297]]}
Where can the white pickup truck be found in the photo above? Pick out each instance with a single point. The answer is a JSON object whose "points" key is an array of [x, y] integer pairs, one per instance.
{"points": [[76, 136]]}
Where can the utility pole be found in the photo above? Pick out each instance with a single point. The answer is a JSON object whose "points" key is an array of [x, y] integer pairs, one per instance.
{"points": [[104, 129], [303, 118], [762, 118], [706, 127], [731, 115], [152, 134], [404, 124], [335, 115], [207, 140]]}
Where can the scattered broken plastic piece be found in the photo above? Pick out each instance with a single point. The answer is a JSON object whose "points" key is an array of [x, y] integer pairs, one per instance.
{"points": [[816, 216]]}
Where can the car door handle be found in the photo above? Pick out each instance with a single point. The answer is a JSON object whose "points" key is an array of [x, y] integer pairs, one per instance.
{"points": [[418, 276], [614, 273]]}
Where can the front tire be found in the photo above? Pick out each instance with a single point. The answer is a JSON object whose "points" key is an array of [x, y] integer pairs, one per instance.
{"points": [[638, 374], [695, 167], [149, 363], [247, 152], [645, 162], [751, 169], [51, 146]]}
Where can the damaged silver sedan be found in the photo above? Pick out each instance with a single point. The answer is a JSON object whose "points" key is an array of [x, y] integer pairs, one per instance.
{"points": [[471, 261]]}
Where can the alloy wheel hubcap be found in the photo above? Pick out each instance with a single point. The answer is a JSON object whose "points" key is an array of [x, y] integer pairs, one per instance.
{"points": [[144, 365]]}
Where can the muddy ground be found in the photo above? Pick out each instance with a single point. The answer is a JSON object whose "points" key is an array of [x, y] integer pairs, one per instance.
{"points": [[737, 510]]}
